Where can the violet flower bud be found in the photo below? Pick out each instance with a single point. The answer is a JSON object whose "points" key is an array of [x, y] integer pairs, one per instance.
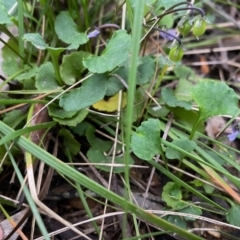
{"points": [[93, 33], [168, 34], [233, 135]]}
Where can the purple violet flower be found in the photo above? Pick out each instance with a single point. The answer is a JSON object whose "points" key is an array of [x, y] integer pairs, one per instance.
{"points": [[168, 36], [233, 135], [93, 33]]}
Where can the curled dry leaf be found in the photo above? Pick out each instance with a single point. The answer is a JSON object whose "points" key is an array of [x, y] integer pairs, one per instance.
{"points": [[6, 227], [215, 125], [1, 233], [38, 119]]}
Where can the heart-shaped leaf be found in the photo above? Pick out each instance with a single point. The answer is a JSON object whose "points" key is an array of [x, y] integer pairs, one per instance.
{"points": [[67, 30], [146, 140], [115, 53], [92, 90], [214, 98]]}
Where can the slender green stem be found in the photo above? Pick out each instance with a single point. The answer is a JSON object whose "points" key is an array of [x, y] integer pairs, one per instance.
{"points": [[132, 79], [194, 129], [20, 29]]}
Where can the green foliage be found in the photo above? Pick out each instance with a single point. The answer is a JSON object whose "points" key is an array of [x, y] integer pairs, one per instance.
{"points": [[69, 142], [146, 140], [13, 118], [176, 220], [167, 4], [45, 78], [95, 142], [78, 76], [145, 73], [67, 31], [191, 210], [28, 74], [184, 144], [115, 53], [72, 67], [170, 99], [214, 98], [70, 118], [97, 157], [36, 40], [172, 194], [233, 215], [86, 95], [4, 17]]}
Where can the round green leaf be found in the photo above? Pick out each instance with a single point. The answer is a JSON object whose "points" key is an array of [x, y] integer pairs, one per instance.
{"points": [[171, 194], [146, 140], [214, 98], [92, 90], [67, 30], [115, 53], [72, 66], [233, 215], [45, 78]]}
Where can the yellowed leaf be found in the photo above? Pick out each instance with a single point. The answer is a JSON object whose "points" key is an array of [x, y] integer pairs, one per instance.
{"points": [[110, 105]]}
